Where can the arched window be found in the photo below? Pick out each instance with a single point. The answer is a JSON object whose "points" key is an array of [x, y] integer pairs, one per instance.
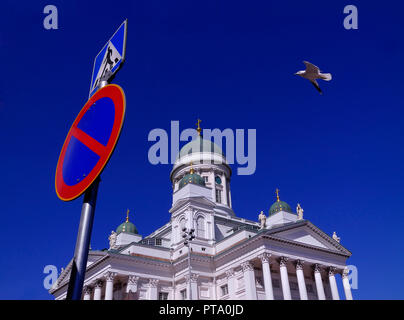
{"points": [[182, 226], [200, 227]]}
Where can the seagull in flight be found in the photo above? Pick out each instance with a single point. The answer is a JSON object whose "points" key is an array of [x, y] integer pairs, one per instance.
{"points": [[312, 73]]}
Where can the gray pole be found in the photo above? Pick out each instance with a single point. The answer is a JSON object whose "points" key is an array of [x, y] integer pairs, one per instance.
{"points": [[79, 265]]}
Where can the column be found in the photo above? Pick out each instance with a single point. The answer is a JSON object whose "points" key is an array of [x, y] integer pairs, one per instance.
{"points": [[284, 278], [333, 283], [319, 282], [249, 280], [230, 284], [266, 271], [346, 284], [224, 183], [109, 285], [97, 290], [87, 293], [153, 283], [194, 286], [300, 280]]}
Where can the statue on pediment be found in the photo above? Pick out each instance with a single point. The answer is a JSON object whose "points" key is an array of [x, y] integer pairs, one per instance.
{"points": [[335, 237], [262, 219], [112, 239], [299, 211]]}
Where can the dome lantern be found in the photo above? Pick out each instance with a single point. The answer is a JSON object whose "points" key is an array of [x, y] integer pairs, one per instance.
{"points": [[127, 226], [279, 205]]}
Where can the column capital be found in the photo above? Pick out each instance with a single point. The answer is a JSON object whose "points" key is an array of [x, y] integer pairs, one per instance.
{"points": [[98, 283], [133, 279], [247, 266], [153, 283], [110, 276], [317, 267], [299, 264], [331, 271], [194, 277], [230, 273], [87, 290], [345, 273], [264, 257], [283, 261]]}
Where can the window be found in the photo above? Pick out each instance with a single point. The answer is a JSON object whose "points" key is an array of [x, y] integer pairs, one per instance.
{"points": [[206, 178], [183, 294], [200, 227], [163, 295], [158, 242], [225, 290], [218, 180], [218, 196], [182, 224]]}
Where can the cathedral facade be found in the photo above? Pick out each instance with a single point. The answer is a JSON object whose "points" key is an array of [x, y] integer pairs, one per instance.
{"points": [[206, 252]]}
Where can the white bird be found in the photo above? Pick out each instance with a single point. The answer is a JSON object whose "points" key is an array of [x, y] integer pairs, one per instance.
{"points": [[312, 73]]}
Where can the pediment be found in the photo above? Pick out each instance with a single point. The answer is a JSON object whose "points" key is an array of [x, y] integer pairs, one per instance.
{"points": [[306, 233], [193, 200]]}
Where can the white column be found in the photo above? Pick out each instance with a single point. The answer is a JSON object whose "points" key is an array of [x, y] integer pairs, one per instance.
{"points": [[109, 285], [266, 271], [230, 284], [97, 290], [319, 282], [224, 184], [194, 286], [249, 281], [284, 278], [333, 283], [212, 175], [153, 283], [87, 293], [300, 280], [346, 284]]}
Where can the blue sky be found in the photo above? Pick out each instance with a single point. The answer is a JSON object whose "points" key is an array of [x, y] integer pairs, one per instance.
{"points": [[230, 63]]}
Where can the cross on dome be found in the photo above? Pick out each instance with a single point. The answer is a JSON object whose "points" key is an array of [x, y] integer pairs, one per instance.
{"points": [[199, 128]]}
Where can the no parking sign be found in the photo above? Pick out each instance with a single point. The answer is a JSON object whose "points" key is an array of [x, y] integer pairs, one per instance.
{"points": [[90, 142]]}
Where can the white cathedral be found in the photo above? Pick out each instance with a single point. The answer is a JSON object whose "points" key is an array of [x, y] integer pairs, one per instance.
{"points": [[283, 256]]}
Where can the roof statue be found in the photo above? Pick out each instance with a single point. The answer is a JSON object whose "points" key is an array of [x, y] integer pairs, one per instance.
{"points": [[112, 240], [262, 219], [335, 237], [299, 211]]}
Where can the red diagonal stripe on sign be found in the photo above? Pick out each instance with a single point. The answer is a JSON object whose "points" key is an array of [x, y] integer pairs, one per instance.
{"points": [[88, 141]]}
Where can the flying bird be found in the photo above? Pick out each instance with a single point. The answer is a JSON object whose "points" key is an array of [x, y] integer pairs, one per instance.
{"points": [[312, 73]]}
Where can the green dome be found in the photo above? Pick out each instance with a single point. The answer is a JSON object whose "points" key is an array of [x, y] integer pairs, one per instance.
{"points": [[279, 206], [192, 178], [128, 227], [200, 145]]}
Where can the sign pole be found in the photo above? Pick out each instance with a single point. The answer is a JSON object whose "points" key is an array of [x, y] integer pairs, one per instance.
{"points": [[79, 266], [78, 270]]}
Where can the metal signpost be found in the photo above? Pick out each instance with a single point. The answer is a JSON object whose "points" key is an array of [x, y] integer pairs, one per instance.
{"points": [[88, 146]]}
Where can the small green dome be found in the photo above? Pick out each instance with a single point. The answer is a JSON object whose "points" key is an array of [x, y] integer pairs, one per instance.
{"points": [[193, 178], [279, 206], [128, 227]]}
